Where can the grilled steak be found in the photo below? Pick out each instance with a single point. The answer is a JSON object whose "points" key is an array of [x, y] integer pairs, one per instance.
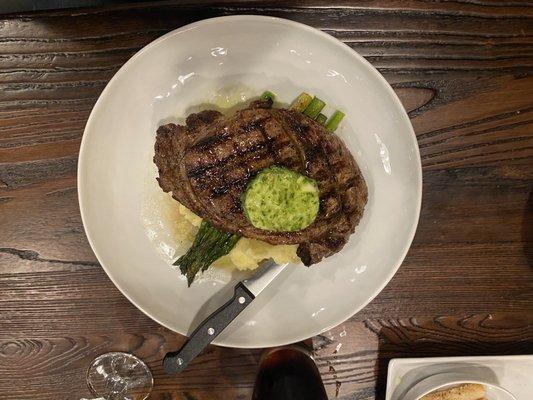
{"points": [[207, 164]]}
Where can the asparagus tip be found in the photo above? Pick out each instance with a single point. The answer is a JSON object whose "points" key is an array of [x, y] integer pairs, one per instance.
{"points": [[314, 108], [334, 121], [268, 95], [321, 119]]}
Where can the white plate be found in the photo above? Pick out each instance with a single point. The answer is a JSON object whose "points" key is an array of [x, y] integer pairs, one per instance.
{"points": [[408, 378], [193, 65]]}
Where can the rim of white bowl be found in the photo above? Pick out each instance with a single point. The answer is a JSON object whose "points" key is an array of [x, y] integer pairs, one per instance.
{"points": [[297, 25]]}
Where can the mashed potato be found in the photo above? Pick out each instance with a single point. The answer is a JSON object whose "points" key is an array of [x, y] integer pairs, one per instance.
{"points": [[246, 254]]}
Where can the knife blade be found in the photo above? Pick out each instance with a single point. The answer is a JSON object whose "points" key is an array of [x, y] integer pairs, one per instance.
{"points": [[244, 293], [265, 274]]}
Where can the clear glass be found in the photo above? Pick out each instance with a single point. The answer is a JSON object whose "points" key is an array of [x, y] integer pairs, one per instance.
{"points": [[119, 376]]}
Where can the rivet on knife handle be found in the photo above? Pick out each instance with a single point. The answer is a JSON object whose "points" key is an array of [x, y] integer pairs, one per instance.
{"points": [[208, 330]]}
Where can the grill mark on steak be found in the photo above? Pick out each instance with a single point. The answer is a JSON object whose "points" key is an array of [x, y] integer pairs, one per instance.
{"points": [[209, 170], [199, 171], [219, 191], [269, 141], [229, 172], [257, 151], [232, 147], [209, 141]]}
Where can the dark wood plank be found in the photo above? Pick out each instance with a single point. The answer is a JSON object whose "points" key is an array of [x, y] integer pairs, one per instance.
{"points": [[463, 71], [350, 357]]}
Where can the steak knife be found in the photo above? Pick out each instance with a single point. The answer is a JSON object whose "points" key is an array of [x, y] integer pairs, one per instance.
{"points": [[245, 292]]}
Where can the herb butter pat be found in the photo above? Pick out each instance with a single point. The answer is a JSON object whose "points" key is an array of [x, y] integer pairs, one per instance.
{"points": [[282, 200]]}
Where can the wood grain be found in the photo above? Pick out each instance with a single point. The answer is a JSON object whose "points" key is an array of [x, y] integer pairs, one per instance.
{"points": [[350, 357], [463, 70]]}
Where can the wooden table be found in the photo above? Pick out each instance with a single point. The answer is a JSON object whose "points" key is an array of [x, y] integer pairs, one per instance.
{"points": [[463, 72]]}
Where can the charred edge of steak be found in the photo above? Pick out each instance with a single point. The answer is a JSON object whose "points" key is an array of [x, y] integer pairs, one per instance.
{"points": [[195, 121], [261, 103]]}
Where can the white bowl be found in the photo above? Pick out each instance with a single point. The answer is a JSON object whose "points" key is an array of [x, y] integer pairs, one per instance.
{"points": [[449, 380], [193, 65]]}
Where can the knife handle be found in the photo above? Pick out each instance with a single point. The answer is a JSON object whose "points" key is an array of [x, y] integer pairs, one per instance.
{"points": [[208, 330]]}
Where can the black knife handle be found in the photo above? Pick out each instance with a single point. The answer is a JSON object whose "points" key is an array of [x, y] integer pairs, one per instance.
{"points": [[208, 330]]}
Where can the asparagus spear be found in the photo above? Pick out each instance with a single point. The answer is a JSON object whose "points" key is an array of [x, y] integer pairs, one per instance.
{"points": [[209, 245], [301, 102], [334, 121], [321, 119], [314, 108]]}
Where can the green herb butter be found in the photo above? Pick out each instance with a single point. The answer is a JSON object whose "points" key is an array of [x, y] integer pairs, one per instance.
{"points": [[279, 199]]}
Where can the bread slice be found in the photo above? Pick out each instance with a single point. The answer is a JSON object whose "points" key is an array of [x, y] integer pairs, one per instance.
{"points": [[469, 391]]}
